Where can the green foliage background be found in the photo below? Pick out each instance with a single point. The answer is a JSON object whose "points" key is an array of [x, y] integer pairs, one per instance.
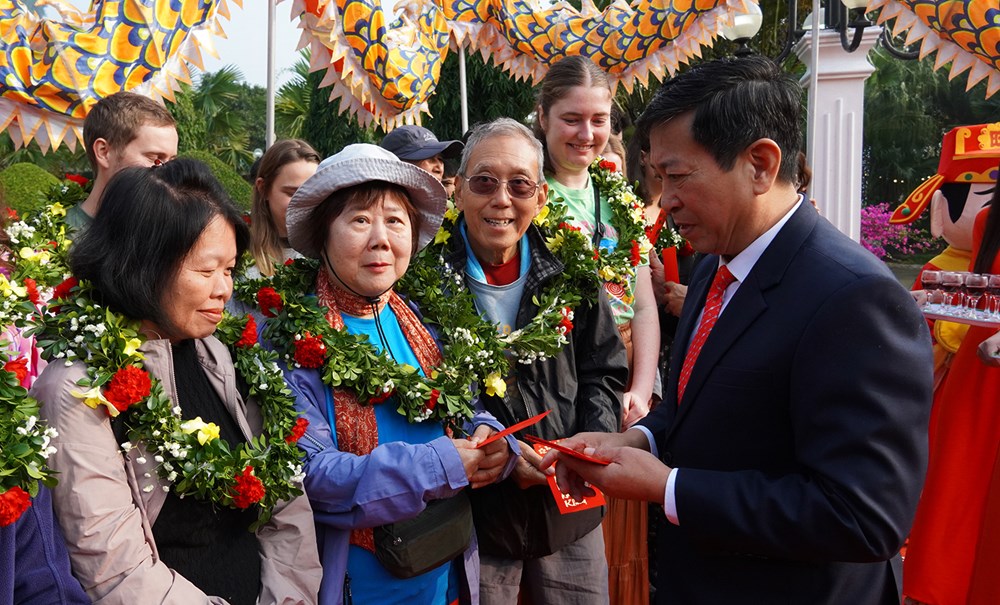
{"points": [[24, 186]]}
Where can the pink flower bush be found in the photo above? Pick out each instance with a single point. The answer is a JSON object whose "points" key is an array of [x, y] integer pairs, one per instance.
{"points": [[888, 241]]}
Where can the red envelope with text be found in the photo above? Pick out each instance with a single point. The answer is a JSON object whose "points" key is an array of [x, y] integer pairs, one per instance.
{"points": [[565, 502]]}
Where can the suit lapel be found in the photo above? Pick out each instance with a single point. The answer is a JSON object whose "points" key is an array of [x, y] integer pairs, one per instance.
{"points": [[747, 304]]}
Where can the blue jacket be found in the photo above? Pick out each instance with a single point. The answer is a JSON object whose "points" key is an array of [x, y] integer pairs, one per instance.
{"points": [[34, 563], [392, 483]]}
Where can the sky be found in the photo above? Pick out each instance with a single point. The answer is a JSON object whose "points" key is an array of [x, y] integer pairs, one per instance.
{"points": [[246, 42]]}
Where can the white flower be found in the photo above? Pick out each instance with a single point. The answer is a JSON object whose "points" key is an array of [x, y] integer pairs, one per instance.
{"points": [[141, 460], [165, 488], [146, 475], [177, 410], [127, 446], [171, 476], [148, 489], [158, 458], [45, 453]]}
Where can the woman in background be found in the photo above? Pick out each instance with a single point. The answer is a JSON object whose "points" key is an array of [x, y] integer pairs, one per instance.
{"points": [[283, 168]]}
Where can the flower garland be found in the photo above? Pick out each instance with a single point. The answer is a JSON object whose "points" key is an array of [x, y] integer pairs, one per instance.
{"points": [[26, 443], [41, 244], [627, 217], [190, 454], [661, 236], [298, 329]]}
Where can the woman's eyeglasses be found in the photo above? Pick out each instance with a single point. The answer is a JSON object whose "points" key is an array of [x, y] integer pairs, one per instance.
{"points": [[483, 184]]}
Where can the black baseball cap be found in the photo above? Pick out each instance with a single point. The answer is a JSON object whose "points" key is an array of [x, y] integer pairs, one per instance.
{"points": [[415, 143]]}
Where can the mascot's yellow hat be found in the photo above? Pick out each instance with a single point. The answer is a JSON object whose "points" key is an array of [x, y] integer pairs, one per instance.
{"points": [[969, 154]]}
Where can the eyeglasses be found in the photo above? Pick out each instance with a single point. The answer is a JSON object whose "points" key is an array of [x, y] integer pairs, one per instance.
{"points": [[483, 184]]}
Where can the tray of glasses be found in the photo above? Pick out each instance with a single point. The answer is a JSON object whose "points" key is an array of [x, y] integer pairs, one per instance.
{"points": [[937, 312]]}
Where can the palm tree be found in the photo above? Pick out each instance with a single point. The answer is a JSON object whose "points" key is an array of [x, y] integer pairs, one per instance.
{"points": [[294, 97], [225, 131]]}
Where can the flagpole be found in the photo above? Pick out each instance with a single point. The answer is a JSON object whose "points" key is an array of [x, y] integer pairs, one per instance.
{"points": [[271, 12]]}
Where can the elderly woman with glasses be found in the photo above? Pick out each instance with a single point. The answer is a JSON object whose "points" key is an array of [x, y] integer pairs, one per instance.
{"points": [[505, 262]]}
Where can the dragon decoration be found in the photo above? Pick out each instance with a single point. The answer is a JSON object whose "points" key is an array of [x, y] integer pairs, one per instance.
{"points": [[52, 71]]}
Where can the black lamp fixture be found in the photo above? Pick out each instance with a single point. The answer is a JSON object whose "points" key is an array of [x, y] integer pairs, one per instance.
{"points": [[839, 15]]}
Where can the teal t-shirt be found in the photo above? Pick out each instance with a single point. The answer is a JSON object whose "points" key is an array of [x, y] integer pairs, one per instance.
{"points": [[580, 213], [78, 220]]}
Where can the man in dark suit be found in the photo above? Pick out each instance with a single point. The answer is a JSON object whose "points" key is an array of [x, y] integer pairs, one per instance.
{"points": [[791, 465]]}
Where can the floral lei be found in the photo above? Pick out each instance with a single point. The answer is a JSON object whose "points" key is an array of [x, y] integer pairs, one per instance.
{"points": [[298, 329], [41, 241], [627, 217], [190, 454], [443, 298], [26, 443]]}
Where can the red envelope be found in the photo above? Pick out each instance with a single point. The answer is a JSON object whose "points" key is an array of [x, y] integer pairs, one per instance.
{"points": [[513, 429], [670, 269], [564, 501], [565, 450]]}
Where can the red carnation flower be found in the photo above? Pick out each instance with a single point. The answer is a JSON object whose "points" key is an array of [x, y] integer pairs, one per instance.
{"points": [[248, 489], [12, 214], [18, 367], [310, 351], [79, 179], [269, 301], [297, 431], [566, 324], [685, 249], [433, 399], [32, 287], [597, 254], [13, 503], [636, 257], [289, 261], [380, 397], [608, 165], [568, 226], [128, 385], [63, 289], [248, 337]]}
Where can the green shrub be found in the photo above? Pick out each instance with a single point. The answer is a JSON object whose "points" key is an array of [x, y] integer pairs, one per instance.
{"points": [[237, 188], [25, 186]]}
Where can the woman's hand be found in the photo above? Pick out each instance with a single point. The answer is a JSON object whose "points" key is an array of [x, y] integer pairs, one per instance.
{"points": [[989, 350], [526, 471], [494, 459], [634, 409], [471, 457], [674, 295]]}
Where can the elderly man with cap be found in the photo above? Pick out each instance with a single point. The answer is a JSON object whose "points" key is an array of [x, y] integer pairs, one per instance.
{"points": [[418, 146], [365, 375]]}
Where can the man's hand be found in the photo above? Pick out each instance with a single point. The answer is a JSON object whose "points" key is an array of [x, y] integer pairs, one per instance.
{"points": [[495, 457], [575, 483], [527, 472], [632, 474], [471, 457]]}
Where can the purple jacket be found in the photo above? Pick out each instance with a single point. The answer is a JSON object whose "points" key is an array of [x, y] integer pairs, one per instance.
{"points": [[34, 564], [393, 483]]}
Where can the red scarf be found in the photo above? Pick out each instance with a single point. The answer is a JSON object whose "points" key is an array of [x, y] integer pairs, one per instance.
{"points": [[357, 430]]}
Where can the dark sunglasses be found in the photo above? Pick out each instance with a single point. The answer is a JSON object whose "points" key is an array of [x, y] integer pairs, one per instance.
{"points": [[483, 184]]}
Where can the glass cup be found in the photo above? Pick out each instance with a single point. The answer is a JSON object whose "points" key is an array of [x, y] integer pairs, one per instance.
{"points": [[993, 295], [931, 283], [951, 284], [975, 289]]}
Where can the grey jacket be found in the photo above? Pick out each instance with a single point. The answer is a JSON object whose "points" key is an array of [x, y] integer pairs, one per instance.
{"points": [[582, 385], [107, 504]]}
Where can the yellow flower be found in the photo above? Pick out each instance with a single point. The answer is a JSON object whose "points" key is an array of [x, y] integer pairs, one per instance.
{"points": [[441, 236], [30, 254], [93, 398], [7, 288], [451, 214], [555, 242], [495, 385], [606, 273], [207, 431], [132, 347], [541, 216], [57, 209]]}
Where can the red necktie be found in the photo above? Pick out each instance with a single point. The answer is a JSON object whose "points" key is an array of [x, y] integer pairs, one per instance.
{"points": [[713, 304]]}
